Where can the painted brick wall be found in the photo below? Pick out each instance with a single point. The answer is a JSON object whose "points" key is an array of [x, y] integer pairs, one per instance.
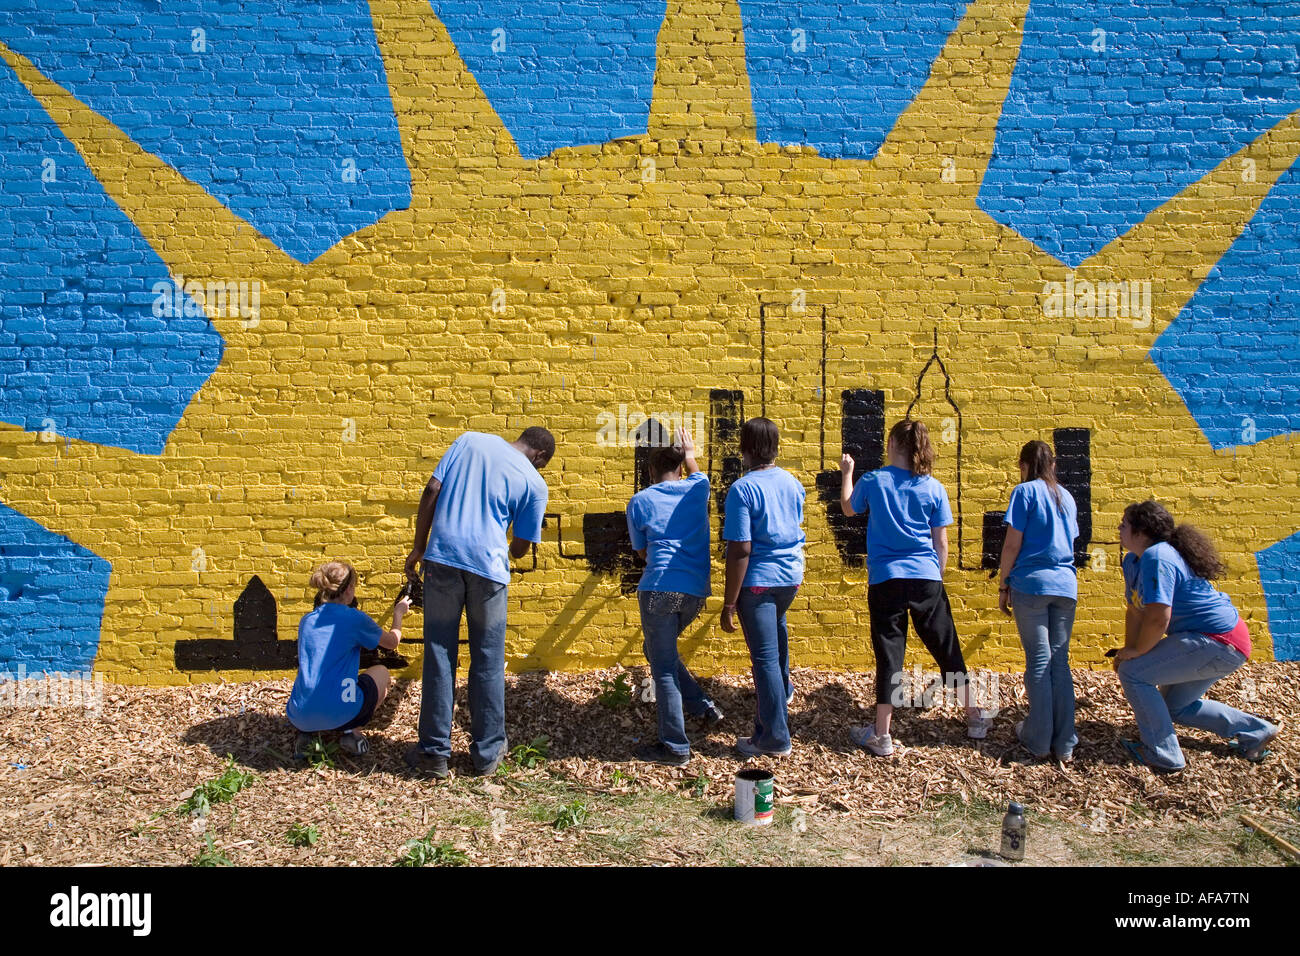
{"points": [[261, 263]]}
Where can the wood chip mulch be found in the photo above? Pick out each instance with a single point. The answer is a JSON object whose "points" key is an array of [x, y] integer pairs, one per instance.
{"points": [[75, 787]]}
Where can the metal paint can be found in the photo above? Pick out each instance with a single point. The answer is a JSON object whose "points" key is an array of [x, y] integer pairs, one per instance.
{"points": [[755, 800]]}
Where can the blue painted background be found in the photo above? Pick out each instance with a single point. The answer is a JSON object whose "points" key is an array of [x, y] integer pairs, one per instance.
{"points": [[80, 347], [863, 64], [51, 599], [564, 73], [263, 120]]}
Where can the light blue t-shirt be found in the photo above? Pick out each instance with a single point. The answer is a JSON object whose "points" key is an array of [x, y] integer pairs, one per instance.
{"points": [[903, 508], [765, 507], [1045, 564], [670, 520], [487, 486], [1163, 577], [325, 695]]}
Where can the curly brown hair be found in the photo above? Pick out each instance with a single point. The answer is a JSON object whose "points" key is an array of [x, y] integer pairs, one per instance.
{"points": [[1153, 520]]}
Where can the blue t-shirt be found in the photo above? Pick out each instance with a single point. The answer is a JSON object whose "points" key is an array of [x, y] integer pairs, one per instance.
{"points": [[325, 694], [1045, 564], [765, 507], [670, 520], [903, 508], [486, 486], [1163, 577]]}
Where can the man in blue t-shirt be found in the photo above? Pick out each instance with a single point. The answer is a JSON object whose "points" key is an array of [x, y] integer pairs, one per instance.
{"points": [[481, 486]]}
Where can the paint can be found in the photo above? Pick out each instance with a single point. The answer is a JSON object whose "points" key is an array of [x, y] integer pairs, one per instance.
{"points": [[754, 797]]}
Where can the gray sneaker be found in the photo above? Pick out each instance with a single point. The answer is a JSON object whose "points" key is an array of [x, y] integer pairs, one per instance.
{"points": [[882, 745], [746, 746], [977, 728], [353, 743]]}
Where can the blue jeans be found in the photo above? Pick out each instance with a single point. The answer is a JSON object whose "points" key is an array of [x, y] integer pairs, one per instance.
{"points": [[675, 687], [762, 618], [448, 592], [1045, 622], [1165, 686]]}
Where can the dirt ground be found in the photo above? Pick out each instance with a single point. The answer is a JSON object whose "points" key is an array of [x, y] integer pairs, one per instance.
{"points": [[119, 787]]}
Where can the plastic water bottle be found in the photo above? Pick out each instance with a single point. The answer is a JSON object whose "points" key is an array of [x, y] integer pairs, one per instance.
{"points": [[1013, 832]]}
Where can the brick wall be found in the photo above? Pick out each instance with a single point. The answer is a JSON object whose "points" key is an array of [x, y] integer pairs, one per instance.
{"points": [[260, 268]]}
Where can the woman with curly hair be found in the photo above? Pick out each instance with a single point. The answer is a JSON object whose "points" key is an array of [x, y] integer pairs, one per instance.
{"points": [[1181, 635]]}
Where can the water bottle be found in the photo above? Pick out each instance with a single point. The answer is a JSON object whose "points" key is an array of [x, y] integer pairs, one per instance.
{"points": [[1013, 832]]}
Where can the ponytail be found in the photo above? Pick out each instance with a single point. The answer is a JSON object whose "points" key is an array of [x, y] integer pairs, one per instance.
{"points": [[912, 438], [332, 579]]}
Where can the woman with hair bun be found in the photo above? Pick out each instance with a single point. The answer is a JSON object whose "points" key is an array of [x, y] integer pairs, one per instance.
{"points": [[328, 693], [1181, 636], [907, 549], [1038, 584]]}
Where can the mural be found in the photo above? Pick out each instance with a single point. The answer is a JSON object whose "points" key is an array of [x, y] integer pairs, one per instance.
{"points": [[244, 319]]}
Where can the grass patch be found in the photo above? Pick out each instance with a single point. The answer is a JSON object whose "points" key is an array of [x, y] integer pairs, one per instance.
{"points": [[218, 790], [211, 855], [529, 756], [571, 815], [302, 834], [615, 694], [424, 852]]}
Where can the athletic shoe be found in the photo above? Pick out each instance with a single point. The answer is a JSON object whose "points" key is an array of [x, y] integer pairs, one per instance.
{"points": [[353, 743], [417, 759], [491, 767], [747, 747], [1259, 751], [882, 745], [1143, 756], [978, 727], [711, 718], [658, 753]]}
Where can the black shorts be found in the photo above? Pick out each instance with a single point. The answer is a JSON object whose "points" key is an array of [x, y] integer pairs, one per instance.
{"points": [[369, 701]]}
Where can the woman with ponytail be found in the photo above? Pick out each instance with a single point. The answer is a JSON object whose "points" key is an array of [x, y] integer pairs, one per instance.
{"points": [[1038, 584], [907, 549], [328, 693], [1181, 636]]}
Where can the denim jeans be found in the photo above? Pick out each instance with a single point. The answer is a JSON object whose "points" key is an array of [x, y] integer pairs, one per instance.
{"points": [[1165, 686], [448, 592], [1045, 622], [675, 687], [762, 618]]}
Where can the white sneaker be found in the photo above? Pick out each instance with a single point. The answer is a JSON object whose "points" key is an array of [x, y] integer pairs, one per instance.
{"points": [[977, 728], [353, 743], [882, 745]]}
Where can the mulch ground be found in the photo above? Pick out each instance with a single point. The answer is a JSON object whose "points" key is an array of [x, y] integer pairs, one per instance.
{"points": [[80, 788]]}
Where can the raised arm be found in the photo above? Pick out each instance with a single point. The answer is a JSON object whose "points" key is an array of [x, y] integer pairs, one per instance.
{"points": [[846, 485], [690, 466]]}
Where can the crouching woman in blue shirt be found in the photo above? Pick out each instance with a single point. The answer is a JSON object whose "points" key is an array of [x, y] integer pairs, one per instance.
{"points": [[328, 693], [1039, 585], [763, 528], [1181, 636], [669, 526]]}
